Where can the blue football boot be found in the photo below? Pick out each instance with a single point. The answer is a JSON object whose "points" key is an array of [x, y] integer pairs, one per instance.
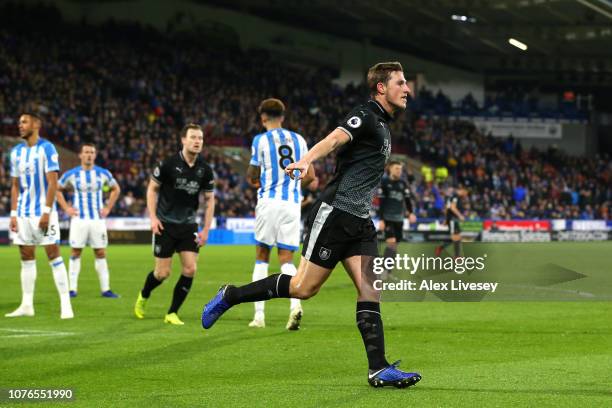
{"points": [[215, 308], [391, 375]]}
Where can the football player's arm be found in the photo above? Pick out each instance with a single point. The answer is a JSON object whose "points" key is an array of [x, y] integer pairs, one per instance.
{"points": [[51, 176], [333, 141], [252, 176], [157, 178], [309, 177], [63, 185], [455, 210], [209, 202], [382, 192], [61, 200], [152, 195], [410, 205], [112, 200], [254, 169], [14, 196]]}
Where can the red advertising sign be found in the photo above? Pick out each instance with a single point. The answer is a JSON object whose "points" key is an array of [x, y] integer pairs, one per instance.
{"points": [[516, 225]]}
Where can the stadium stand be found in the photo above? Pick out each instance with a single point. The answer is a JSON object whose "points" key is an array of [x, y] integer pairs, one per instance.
{"points": [[130, 97]]}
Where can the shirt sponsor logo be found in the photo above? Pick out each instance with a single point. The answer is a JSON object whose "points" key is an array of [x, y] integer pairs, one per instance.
{"points": [[191, 187]]}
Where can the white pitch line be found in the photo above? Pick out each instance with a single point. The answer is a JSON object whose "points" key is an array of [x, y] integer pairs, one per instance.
{"points": [[34, 333]]}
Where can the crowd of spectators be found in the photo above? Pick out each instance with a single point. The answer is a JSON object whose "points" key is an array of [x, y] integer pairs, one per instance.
{"points": [[129, 89], [514, 102], [505, 180]]}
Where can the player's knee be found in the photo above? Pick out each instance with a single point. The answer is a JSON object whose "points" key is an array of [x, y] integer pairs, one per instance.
{"points": [[162, 273], [100, 253], [189, 270], [285, 258], [304, 291], [262, 253], [26, 253], [52, 251], [28, 256]]}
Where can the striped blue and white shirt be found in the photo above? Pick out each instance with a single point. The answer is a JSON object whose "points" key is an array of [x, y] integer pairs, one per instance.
{"points": [[273, 151], [30, 165], [88, 186]]}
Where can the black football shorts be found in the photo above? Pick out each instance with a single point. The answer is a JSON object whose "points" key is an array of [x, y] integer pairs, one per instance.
{"points": [[175, 238], [334, 235]]}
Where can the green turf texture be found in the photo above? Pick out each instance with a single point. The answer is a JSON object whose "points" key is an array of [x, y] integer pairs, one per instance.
{"points": [[469, 354]]}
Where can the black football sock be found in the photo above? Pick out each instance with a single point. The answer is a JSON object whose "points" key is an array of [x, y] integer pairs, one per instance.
{"points": [[457, 247], [389, 253], [274, 286], [150, 283], [183, 285], [370, 326]]}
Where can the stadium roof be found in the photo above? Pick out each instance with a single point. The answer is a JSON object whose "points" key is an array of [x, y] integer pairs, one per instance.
{"points": [[561, 35]]}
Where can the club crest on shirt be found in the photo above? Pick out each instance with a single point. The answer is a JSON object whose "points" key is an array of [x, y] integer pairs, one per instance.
{"points": [[324, 253], [354, 122]]}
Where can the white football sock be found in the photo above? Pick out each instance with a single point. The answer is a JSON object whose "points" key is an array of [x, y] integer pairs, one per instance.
{"points": [[102, 269], [60, 276], [74, 266], [260, 271], [289, 269], [28, 279]]}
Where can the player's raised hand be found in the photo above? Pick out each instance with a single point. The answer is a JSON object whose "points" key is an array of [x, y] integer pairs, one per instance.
{"points": [[156, 225], [297, 170], [72, 212], [43, 224]]}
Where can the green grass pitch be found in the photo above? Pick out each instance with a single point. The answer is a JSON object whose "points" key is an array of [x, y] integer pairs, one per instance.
{"points": [[470, 354]]}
